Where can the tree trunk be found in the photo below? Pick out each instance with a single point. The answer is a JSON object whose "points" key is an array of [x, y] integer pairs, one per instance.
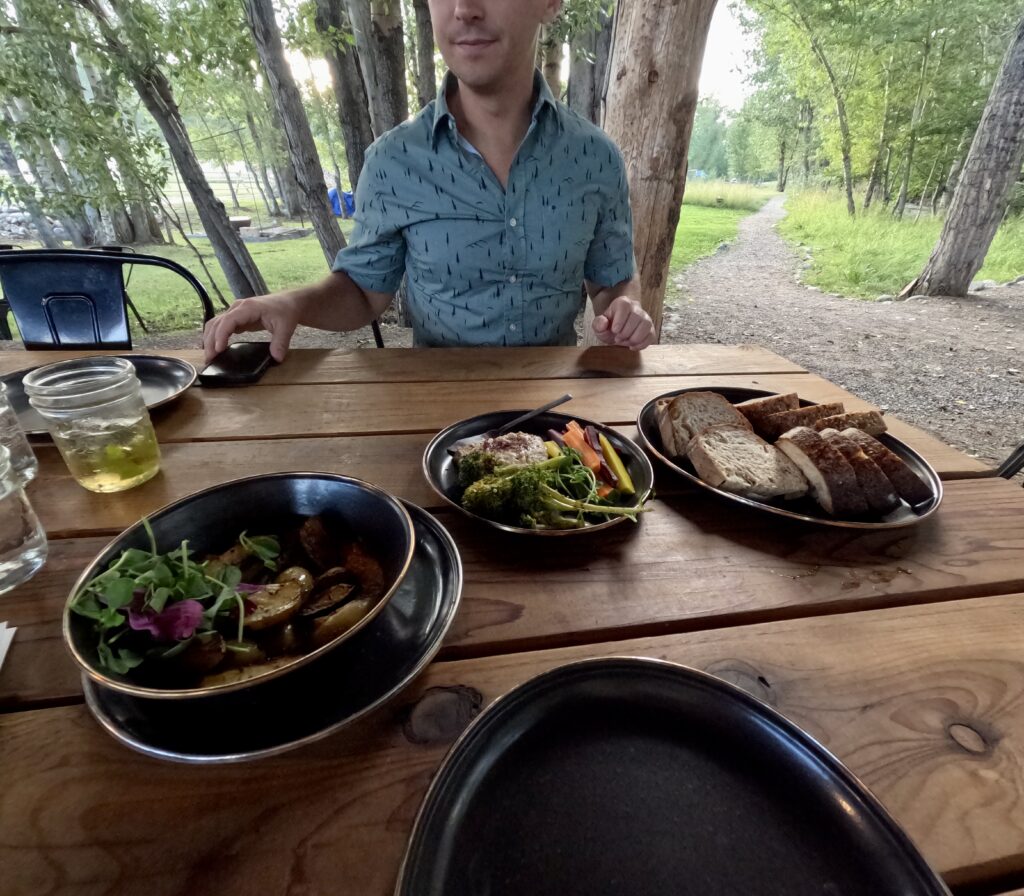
{"points": [[301, 148], [780, 184], [272, 207], [656, 56], [377, 25], [846, 142], [145, 226], [992, 167], [953, 179], [806, 128], [426, 76], [154, 90], [915, 123], [552, 52], [349, 90], [883, 138], [586, 77], [26, 196]]}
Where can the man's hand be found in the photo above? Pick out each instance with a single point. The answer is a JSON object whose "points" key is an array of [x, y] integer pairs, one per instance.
{"points": [[625, 323], [278, 314]]}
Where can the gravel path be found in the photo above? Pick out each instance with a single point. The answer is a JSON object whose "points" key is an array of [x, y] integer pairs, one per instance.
{"points": [[954, 367]]}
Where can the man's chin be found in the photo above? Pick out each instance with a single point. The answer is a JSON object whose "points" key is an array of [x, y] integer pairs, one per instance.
{"points": [[482, 77]]}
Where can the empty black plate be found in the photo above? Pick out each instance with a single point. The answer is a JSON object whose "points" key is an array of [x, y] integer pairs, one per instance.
{"points": [[163, 380], [633, 777]]}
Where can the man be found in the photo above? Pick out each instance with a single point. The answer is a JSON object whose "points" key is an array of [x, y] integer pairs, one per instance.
{"points": [[495, 202]]}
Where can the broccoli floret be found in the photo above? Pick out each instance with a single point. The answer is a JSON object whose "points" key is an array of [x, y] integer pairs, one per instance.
{"points": [[475, 466], [527, 497]]}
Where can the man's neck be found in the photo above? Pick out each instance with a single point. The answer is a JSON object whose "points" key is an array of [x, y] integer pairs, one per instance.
{"points": [[494, 119]]}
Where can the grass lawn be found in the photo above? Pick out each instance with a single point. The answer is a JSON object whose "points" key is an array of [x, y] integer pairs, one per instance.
{"points": [[701, 231], [873, 254]]}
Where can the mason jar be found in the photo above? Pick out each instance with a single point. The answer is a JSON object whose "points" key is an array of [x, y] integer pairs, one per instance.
{"points": [[22, 540], [93, 408], [13, 438]]}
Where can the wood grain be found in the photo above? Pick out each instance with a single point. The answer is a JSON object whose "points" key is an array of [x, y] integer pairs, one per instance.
{"points": [[926, 706], [429, 365], [690, 564]]}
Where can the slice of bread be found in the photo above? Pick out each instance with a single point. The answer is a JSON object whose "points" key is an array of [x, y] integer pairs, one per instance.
{"points": [[871, 422], [665, 428], [832, 479], [735, 459], [909, 486], [757, 409], [690, 413], [775, 425], [878, 490]]}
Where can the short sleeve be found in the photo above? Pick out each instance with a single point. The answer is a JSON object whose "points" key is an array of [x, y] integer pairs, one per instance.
{"points": [[375, 256], [610, 257]]}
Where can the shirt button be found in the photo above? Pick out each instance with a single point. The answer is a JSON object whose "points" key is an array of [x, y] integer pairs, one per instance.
{"points": [[511, 326], [512, 279], [512, 222]]}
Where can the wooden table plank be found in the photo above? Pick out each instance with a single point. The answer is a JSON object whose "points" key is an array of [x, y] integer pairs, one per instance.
{"points": [[686, 566], [926, 706], [429, 365], [375, 408]]}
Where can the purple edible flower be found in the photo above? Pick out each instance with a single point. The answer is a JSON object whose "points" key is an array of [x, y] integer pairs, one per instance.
{"points": [[175, 623]]}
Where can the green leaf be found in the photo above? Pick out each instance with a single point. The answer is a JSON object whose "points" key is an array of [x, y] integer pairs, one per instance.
{"points": [[118, 592], [158, 599], [86, 605], [110, 618], [265, 547]]}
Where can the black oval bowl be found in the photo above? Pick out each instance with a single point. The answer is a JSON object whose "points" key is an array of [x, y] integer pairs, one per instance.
{"points": [[805, 508], [212, 520], [439, 467]]}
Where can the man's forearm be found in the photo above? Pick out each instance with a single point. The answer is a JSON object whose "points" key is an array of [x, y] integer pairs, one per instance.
{"points": [[337, 303]]}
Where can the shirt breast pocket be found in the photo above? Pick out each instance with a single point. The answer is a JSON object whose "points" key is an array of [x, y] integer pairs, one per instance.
{"points": [[558, 243]]}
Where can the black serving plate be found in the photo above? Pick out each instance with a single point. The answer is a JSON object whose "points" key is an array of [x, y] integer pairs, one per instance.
{"points": [[313, 701], [439, 467], [629, 777], [806, 509], [163, 380]]}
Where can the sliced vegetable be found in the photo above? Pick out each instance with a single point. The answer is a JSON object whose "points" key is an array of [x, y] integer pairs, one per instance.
{"points": [[553, 449], [611, 456], [575, 438]]}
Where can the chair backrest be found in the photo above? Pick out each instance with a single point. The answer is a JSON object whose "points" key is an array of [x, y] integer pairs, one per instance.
{"points": [[76, 298]]}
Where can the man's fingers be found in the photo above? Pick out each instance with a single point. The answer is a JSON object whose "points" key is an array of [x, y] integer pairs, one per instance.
{"points": [[281, 336], [601, 324], [624, 335], [620, 311]]}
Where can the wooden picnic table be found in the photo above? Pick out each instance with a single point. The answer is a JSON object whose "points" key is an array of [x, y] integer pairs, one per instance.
{"points": [[902, 650]]}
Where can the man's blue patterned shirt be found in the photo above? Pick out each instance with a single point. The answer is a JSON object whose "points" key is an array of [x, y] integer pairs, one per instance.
{"points": [[486, 265]]}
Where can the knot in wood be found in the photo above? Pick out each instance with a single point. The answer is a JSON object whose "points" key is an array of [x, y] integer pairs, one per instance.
{"points": [[745, 676], [442, 714], [969, 739], [652, 76]]}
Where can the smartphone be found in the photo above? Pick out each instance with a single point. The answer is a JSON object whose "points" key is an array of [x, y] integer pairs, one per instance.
{"points": [[238, 365]]}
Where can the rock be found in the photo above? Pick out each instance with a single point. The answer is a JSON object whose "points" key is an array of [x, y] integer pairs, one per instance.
{"points": [[981, 285], [886, 299], [1016, 282]]}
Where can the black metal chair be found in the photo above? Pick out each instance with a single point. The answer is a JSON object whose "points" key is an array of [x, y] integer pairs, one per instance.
{"points": [[1013, 464], [76, 298]]}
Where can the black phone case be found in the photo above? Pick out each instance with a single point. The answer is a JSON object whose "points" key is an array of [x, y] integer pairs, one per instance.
{"points": [[239, 365]]}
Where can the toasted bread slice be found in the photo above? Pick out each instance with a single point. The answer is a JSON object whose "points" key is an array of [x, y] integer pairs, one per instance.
{"points": [[690, 413], [878, 490], [735, 459], [832, 479], [757, 409], [665, 428], [909, 486], [871, 422], [775, 425]]}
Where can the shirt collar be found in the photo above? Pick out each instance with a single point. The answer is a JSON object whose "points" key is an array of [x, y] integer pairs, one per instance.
{"points": [[443, 117]]}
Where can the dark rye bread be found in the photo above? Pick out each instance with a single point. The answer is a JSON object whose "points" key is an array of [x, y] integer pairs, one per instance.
{"points": [[910, 487], [871, 422], [878, 490], [757, 409], [775, 425], [833, 481]]}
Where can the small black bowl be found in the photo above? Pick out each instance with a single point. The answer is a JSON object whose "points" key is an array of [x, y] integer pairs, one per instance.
{"points": [[212, 520], [439, 467]]}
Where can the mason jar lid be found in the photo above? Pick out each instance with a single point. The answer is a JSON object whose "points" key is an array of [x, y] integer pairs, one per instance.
{"points": [[80, 383]]}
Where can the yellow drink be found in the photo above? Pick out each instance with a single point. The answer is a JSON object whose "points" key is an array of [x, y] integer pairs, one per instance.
{"points": [[109, 455]]}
